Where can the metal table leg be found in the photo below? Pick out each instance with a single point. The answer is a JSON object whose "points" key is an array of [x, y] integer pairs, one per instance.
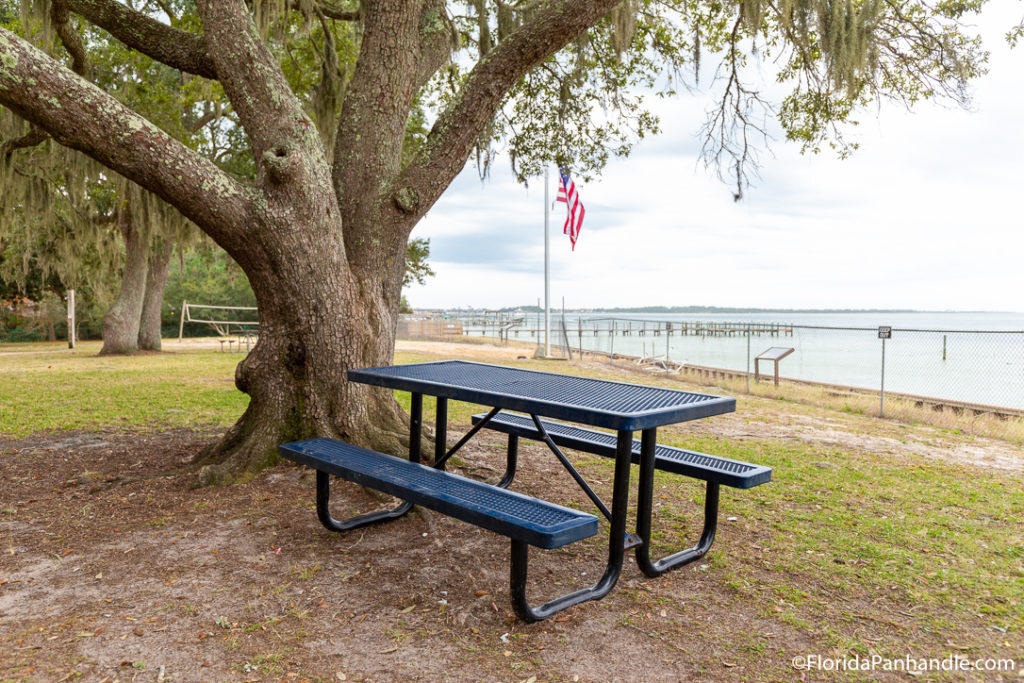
{"points": [[511, 456], [440, 432], [416, 427], [645, 496], [616, 548], [323, 480]]}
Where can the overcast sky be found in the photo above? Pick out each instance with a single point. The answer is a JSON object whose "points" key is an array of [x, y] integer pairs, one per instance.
{"points": [[925, 215]]}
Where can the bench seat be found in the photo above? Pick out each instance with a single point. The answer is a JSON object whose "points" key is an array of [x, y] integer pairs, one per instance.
{"points": [[518, 516], [734, 473]]}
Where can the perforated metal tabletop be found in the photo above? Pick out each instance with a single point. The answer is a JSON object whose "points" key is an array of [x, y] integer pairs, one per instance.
{"points": [[595, 402]]}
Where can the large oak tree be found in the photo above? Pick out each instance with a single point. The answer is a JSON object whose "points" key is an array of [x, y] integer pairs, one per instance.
{"points": [[321, 227]]}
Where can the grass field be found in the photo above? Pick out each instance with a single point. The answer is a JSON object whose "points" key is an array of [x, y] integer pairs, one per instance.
{"points": [[47, 386], [874, 538]]}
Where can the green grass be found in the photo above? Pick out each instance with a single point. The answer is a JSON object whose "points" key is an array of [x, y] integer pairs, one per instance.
{"points": [[51, 388], [924, 532]]}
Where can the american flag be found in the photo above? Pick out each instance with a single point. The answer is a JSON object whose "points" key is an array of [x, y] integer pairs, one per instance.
{"points": [[574, 218]]}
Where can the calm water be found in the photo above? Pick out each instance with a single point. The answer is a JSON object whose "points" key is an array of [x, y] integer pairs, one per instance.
{"points": [[970, 357]]}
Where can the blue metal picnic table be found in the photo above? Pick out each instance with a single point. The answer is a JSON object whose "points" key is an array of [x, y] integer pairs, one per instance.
{"points": [[619, 406]]}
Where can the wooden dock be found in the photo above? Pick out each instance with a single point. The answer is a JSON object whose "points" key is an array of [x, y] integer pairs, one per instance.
{"points": [[632, 328]]}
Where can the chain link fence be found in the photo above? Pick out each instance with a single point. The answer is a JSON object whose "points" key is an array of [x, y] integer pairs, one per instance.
{"points": [[970, 381]]}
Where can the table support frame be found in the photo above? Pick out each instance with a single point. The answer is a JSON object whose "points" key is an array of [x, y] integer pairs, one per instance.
{"points": [[645, 496], [616, 549]]}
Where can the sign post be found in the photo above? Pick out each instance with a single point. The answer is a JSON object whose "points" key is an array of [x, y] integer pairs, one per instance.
{"points": [[884, 332]]}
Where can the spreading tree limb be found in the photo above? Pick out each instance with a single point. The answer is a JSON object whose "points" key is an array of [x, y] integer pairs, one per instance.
{"points": [[93, 122], [174, 47]]}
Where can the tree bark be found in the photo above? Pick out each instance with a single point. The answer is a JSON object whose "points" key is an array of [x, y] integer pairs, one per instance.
{"points": [[151, 322], [317, 320], [121, 322]]}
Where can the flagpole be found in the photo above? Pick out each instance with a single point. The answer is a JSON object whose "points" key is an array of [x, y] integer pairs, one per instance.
{"points": [[547, 270]]}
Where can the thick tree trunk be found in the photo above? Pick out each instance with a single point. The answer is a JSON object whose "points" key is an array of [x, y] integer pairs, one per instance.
{"points": [[121, 322], [150, 323], [318, 319]]}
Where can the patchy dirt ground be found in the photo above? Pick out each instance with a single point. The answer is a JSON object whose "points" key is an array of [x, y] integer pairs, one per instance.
{"points": [[114, 567]]}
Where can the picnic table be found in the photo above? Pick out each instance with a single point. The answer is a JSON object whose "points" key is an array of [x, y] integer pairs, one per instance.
{"points": [[550, 407]]}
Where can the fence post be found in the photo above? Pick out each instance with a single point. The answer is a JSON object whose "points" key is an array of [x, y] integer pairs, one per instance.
{"points": [[748, 358], [666, 346], [71, 318]]}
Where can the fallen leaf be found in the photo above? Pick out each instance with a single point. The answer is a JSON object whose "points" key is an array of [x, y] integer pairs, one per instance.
{"points": [[508, 653], [480, 594], [387, 651], [408, 609]]}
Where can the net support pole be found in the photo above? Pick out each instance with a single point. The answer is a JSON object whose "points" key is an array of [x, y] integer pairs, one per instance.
{"points": [[181, 323]]}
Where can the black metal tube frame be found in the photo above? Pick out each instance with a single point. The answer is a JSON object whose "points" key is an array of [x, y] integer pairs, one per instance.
{"points": [[323, 480], [645, 496], [439, 462], [616, 549], [594, 498]]}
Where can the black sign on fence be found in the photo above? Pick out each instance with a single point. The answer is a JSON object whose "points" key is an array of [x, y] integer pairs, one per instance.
{"points": [[884, 332]]}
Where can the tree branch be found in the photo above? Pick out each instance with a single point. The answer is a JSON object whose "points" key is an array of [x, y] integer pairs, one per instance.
{"points": [[174, 47], [89, 120], [210, 114], [272, 116], [457, 128], [35, 136], [68, 36], [400, 43], [332, 12]]}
